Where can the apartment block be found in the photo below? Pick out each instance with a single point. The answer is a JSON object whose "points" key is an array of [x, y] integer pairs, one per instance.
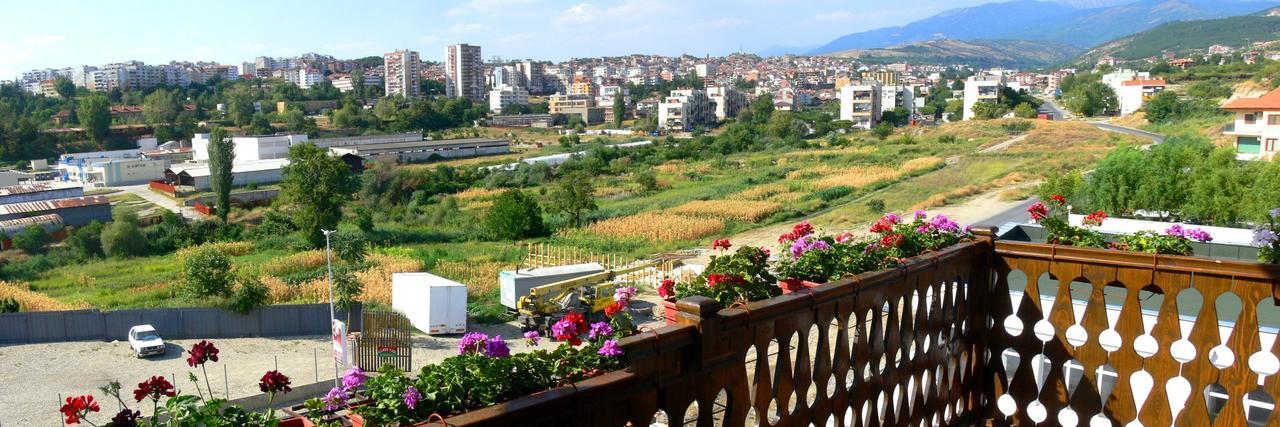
{"points": [[533, 75], [504, 95], [402, 73], [981, 88], [860, 103], [464, 71], [686, 109], [726, 101], [897, 96], [1132, 88]]}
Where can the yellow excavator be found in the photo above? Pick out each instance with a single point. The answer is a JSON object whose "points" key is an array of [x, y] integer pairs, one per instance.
{"points": [[586, 294]]}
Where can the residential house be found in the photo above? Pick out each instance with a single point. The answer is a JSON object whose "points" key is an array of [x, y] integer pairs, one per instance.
{"points": [[1257, 126]]}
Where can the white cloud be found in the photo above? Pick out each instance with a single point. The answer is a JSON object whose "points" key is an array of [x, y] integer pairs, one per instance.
{"points": [[580, 14], [839, 15], [488, 6], [42, 40], [468, 28]]}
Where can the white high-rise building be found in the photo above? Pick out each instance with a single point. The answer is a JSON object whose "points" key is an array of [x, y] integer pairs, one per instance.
{"points": [[505, 95], [401, 69], [464, 71], [533, 73], [860, 103], [981, 88]]}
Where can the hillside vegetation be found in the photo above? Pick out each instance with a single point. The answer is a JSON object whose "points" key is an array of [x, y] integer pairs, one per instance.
{"points": [[1186, 36], [978, 53]]}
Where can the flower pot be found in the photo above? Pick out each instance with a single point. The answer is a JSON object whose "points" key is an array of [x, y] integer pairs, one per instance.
{"points": [[356, 419], [790, 286], [298, 421], [669, 311]]}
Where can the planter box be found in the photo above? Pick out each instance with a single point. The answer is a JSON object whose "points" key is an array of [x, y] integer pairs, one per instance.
{"points": [[669, 311], [790, 286]]}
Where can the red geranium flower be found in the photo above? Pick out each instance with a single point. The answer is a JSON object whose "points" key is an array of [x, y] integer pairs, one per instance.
{"points": [[153, 388], [612, 309], [1059, 199], [720, 244], [1038, 211], [1095, 218], [891, 240], [202, 352], [714, 279], [77, 407], [667, 289], [273, 381]]}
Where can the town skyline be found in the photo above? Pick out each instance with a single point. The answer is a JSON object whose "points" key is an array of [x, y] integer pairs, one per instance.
{"points": [[511, 29]]}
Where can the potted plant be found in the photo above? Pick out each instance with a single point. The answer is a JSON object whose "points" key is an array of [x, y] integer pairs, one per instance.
{"points": [[334, 408], [1267, 239], [1176, 240], [731, 278]]}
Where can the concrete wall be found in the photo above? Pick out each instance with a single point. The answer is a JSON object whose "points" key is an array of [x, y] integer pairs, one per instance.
{"points": [[171, 323]]}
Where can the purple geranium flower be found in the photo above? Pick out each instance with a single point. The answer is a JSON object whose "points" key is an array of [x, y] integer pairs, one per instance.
{"points": [[1198, 235], [411, 397], [472, 342], [940, 222], [531, 338], [335, 399], [1264, 237], [1275, 213], [920, 214], [600, 330], [353, 379], [610, 348], [624, 294], [496, 347]]}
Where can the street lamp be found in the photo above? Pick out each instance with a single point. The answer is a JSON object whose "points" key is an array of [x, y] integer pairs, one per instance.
{"points": [[328, 259]]}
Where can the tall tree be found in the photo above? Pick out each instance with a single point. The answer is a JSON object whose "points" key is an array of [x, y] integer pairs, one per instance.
{"points": [[619, 109], [316, 185], [222, 153], [574, 196], [161, 107], [65, 88], [94, 113], [357, 83], [240, 105]]}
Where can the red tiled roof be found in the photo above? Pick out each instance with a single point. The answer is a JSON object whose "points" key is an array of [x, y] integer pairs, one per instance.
{"points": [[1270, 101], [1139, 82]]}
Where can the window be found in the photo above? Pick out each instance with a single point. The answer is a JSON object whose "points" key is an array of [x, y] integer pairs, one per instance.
{"points": [[1248, 119], [1271, 144], [1273, 119]]}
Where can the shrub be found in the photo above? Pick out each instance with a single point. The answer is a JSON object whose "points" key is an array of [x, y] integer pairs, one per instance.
{"points": [[348, 246], [882, 131], [208, 273], [947, 139], [876, 205], [122, 238], [9, 305], [832, 193], [250, 294], [364, 220], [32, 240], [87, 240], [1014, 127], [514, 215]]}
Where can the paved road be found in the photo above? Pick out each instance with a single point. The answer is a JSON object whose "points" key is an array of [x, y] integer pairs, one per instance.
{"points": [[1055, 112], [1154, 137], [1016, 213], [160, 200]]}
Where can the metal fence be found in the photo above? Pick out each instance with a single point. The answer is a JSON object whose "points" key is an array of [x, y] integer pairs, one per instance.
{"points": [[171, 323]]}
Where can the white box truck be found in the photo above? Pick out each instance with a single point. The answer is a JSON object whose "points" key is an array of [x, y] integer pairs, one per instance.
{"points": [[433, 304]]}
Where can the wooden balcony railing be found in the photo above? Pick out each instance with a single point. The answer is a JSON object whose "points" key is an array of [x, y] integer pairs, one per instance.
{"points": [[956, 337]]}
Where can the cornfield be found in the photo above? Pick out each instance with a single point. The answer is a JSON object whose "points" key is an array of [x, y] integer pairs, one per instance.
{"points": [[761, 192], [227, 248], [480, 278], [376, 281], [861, 176], [742, 210], [658, 227], [476, 193], [29, 300], [920, 163], [813, 171], [291, 264]]}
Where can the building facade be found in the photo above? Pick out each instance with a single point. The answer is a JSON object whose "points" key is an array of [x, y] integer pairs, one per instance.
{"points": [[860, 103], [249, 148], [502, 96], [686, 109], [981, 88], [401, 69], [464, 71], [1257, 126]]}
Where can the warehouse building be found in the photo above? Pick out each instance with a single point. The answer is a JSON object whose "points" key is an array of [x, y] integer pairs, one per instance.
{"points": [[116, 171], [76, 211], [196, 175], [425, 150], [39, 191], [367, 139], [51, 224]]}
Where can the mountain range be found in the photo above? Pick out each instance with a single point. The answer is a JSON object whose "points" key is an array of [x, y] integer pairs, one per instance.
{"points": [[1183, 36], [977, 53], [1080, 23]]}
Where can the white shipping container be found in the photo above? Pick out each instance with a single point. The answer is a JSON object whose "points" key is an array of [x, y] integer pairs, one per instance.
{"points": [[433, 304], [513, 285]]}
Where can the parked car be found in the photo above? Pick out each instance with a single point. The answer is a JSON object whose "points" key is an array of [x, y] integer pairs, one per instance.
{"points": [[144, 341]]}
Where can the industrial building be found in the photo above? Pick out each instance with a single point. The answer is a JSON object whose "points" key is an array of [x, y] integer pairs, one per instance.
{"points": [[196, 175], [424, 150], [39, 191], [249, 148], [367, 139], [51, 223], [76, 211], [521, 120], [115, 171]]}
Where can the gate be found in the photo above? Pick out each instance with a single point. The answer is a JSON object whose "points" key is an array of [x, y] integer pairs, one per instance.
{"points": [[386, 338]]}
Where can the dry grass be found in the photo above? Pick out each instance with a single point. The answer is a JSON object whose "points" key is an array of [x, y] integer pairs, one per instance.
{"points": [[943, 199], [789, 196], [290, 264], [476, 193], [676, 166], [29, 300], [813, 171], [761, 192], [610, 191], [480, 205], [227, 248], [658, 227], [861, 176], [741, 210]]}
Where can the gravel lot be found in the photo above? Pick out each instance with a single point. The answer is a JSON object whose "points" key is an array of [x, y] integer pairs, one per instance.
{"points": [[34, 375]]}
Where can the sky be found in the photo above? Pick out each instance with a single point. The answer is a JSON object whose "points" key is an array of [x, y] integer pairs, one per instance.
{"points": [[235, 31]]}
